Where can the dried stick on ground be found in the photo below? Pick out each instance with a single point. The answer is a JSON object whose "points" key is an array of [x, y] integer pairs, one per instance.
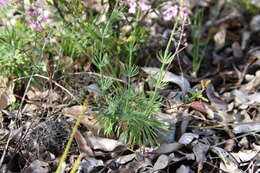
{"points": [[56, 83]]}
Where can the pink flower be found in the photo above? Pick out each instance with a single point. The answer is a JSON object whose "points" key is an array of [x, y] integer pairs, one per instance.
{"points": [[143, 5], [36, 20], [35, 25], [170, 13], [134, 4], [3, 3], [132, 7], [32, 12], [43, 19], [183, 12]]}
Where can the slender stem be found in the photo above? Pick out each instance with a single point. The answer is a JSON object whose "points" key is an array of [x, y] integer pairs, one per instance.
{"points": [[166, 55], [161, 74], [170, 39], [66, 151]]}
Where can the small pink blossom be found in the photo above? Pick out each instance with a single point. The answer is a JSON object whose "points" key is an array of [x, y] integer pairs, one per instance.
{"points": [[143, 5], [43, 19], [183, 12], [132, 7], [170, 13], [3, 3], [36, 20], [35, 25], [32, 12]]}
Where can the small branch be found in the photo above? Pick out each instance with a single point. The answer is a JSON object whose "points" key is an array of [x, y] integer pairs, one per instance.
{"points": [[56, 83], [99, 75], [6, 147]]}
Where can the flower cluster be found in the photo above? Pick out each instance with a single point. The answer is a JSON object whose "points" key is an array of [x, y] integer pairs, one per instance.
{"points": [[3, 3], [133, 5], [175, 11], [36, 19]]}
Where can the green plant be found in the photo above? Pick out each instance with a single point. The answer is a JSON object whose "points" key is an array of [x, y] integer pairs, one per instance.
{"points": [[61, 168], [197, 55], [197, 94], [126, 111], [20, 46], [75, 35], [247, 6], [13, 58]]}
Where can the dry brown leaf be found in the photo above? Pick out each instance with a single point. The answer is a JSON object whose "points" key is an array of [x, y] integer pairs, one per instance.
{"points": [[253, 84], [104, 144], [6, 93], [187, 138], [220, 37], [83, 145], [168, 148], [246, 127], [200, 150], [215, 99], [161, 163], [3, 82], [35, 93], [183, 169], [228, 163], [90, 164], [125, 159], [245, 156], [237, 51], [87, 119], [181, 81], [38, 165], [255, 23], [199, 106]]}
